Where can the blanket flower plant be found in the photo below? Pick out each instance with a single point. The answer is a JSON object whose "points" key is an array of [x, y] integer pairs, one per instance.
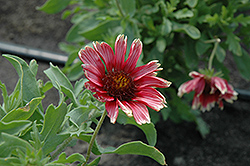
{"points": [[120, 83], [208, 91]]}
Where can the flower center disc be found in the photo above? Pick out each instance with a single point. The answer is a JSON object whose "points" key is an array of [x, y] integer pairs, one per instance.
{"points": [[119, 85]]}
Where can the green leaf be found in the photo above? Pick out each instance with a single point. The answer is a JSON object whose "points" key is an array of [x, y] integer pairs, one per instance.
{"points": [[2, 112], [148, 129], [128, 7], [202, 127], [190, 30], [148, 40], [81, 22], [183, 13], [72, 158], [54, 164], [95, 162], [201, 47], [58, 78], [220, 54], [5, 100], [148, 22], [181, 110], [28, 83], [161, 44], [212, 20], [61, 82], [68, 48], [97, 32], [14, 127], [79, 86], [75, 71], [165, 113], [53, 120], [242, 20], [72, 50], [191, 3], [83, 114], [11, 143], [191, 57], [149, 9], [35, 135], [9, 161], [33, 66], [23, 113], [139, 148], [73, 33], [233, 42], [15, 99], [54, 6], [166, 26], [47, 86], [66, 14], [242, 63]]}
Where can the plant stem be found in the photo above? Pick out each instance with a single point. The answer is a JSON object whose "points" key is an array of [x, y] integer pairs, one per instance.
{"points": [[216, 43], [61, 148], [91, 143], [119, 7]]}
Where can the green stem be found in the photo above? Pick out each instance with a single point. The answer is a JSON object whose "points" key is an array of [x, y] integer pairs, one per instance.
{"points": [[119, 7], [61, 148], [216, 43], [91, 143]]}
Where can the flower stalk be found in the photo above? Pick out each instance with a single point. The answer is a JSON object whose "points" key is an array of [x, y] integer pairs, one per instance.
{"points": [[216, 43], [119, 8], [91, 143]]}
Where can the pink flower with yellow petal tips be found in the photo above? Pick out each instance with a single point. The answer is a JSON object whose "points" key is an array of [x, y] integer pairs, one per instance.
{"points": [[208, 91], [120, 83]]}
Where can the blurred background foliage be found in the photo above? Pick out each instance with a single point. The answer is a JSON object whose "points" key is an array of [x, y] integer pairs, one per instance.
{"points": [[176, 32]]}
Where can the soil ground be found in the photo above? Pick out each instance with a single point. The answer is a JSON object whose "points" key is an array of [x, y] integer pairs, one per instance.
{"points": [[228, 143]]}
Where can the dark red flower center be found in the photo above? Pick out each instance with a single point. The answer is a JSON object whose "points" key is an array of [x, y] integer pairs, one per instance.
{"points": [[119, 85]]}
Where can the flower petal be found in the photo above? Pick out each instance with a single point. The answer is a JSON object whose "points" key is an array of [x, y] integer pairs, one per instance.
{"points": [[153, 91], [152, 81], [196, 103], [103, 97], [207, 101], [90, 56], [93, 78], [112, 110], [230, 95], [150, 100], [141, 71], [106, 53], [219, 83], [92, 69], [221, 106], [93, 87], [200, 85], [195, 74], [120, 51], [134, 54], [140, 112], [125, 108], [188, 86]]}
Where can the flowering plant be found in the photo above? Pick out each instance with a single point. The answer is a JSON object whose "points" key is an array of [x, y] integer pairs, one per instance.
{"points": [[31, 137], [177, 33]]}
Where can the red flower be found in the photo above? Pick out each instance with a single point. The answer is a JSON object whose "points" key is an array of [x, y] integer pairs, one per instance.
{"points": [[120, 83], [208, 91]]}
